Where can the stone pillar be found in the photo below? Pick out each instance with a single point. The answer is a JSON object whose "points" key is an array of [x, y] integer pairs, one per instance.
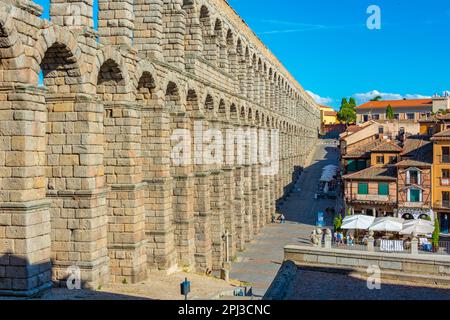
{"points": [[250, 82], [193, 36], [76, 187], [239, 205], [229, 208], [415, 245], [73, 14], [116, 22], [218, 219], [161, 252], [174, 21], [25, 256], [242, 75], [126, 214], [248, 203], [371, 242], [202, 207], [217, 209], [328, 239], [183, 202], [149, 28]]}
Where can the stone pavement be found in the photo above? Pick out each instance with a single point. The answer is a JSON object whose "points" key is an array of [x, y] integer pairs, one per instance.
{"points": [[260, 262]]}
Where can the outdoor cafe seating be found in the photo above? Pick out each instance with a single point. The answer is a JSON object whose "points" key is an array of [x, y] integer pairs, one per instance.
{"points": [[391, 234]]}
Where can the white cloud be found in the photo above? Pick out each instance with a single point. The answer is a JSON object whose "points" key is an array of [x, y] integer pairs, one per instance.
{"points": [[319, 99], [364, 97]]}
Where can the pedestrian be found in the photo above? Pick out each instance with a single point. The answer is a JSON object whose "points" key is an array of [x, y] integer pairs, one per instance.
{"points": [[273, 218], [282, 219]]}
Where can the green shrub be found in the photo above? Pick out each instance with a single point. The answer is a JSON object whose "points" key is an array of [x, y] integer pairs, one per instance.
{"points": [[436, 234]]}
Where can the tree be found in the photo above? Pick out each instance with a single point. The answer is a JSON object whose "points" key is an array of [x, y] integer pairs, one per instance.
{"points": [[347, 114], [352, 102], [390, 113], [344, 102], [436, 235], [337, 223], [377, 98]]}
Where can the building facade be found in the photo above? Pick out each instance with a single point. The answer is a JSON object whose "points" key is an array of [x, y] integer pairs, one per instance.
{"points": [[404, 110], [87, 178], [397, 179]]}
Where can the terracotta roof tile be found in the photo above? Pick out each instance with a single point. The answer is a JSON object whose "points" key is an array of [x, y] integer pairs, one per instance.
{"points": [[443, 135], [387, 146], [386, 173], [413, 103]]}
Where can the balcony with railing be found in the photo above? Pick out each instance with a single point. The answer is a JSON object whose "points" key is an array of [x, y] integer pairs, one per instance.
{"points": [[374, 198], [444, 182], [442, 204]]}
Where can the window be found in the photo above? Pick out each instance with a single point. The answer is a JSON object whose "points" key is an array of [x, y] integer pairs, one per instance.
{"points": [[445, 174], [410, 116], [445, 180], [413, 177], [366, 118], [415, 195], [445, 154], [446, 199], [363, 188], [383, 189], [380, 130], [376, 117], [362, 164], [397, 116], [351, 166], [380, 159], [393, 159]]}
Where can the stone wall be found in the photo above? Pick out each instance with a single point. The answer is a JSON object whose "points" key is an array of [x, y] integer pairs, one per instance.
{"points": [[400, 266], [86, 177]]}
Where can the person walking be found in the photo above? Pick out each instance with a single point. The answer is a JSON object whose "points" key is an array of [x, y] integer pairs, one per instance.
{"points": [[282, 219]]}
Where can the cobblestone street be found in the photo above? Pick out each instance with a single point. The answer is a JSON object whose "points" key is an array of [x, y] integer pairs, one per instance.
{"points": [[260, 262]]}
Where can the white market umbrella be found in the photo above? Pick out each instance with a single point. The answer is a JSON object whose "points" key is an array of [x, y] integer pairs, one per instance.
{"points": [[420, 226], [357, 222], [387, 224]]}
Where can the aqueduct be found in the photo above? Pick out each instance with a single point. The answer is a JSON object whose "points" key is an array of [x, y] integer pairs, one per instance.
{"points": [[86, 177]]}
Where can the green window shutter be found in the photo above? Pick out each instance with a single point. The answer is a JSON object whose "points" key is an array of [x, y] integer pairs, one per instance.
{"points": [[414, 195], [351, 166], [363, 188], [383, 189]]}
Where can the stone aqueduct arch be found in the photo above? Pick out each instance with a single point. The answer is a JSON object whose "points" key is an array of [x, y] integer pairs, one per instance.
{"points": [[85, 173]]}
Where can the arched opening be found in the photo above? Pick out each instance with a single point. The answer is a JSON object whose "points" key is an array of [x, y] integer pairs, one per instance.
{"points": [[109, 81], [234, 113], [222, 110], [243, 116], [145, 88], [172, 97], [220, 44], [242, 68], [209, 104], [209, 50], [231, 54], [408, 216]]}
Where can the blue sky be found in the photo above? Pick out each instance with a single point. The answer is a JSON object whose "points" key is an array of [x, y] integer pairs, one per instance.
{"points": [[327, 46]]}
